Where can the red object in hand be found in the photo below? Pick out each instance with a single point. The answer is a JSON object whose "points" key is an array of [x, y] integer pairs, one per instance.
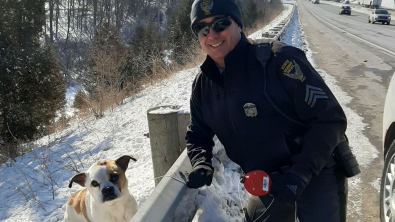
{"points": [[257, 183]]}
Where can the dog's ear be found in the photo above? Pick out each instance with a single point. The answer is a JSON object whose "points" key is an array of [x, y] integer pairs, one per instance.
{"points": [[79, 178], [123, 161]]}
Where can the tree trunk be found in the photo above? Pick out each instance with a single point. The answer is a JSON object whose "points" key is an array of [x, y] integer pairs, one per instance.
{"points": [[94, 13], [51, 8], [57, 17], [68, 26], [73, 11]]}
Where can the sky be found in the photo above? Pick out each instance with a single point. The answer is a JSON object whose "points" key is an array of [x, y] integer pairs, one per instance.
{"points": [[35, 187]]}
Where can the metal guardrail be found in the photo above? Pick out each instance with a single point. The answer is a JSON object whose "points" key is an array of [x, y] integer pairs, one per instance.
{"points": [[286, 21], [162, 203], [277, 31], [168, 194]]}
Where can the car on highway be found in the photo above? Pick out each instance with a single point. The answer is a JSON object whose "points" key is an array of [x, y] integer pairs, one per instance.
{"points": [[316, 1], [387, 189], [380, 15], [345, 9]]}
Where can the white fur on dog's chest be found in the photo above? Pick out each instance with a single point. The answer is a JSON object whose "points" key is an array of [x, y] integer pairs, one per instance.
{"points": [[119, 211]]}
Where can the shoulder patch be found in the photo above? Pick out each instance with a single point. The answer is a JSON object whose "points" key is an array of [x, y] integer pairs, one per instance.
{"points": [[292, 70]]}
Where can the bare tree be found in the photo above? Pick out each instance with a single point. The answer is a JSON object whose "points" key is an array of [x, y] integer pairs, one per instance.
{"points": [[57, 17], [51, 8], [94, 13], [103, 79]]}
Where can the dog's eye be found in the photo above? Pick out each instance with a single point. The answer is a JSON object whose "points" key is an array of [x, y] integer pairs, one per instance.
{"points": [[95, 183], [113, 177]]}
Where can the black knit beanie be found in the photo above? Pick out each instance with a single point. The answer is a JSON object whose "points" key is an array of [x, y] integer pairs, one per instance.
{"points": [[202, 9]]}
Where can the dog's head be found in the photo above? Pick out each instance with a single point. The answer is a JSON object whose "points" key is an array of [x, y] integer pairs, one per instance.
{"points": [[105, 179]]}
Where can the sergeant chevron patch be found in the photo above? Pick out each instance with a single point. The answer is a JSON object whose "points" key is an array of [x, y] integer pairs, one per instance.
{"points": [[312, 94]]}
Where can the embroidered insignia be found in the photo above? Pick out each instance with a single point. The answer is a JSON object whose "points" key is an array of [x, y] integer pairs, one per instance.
{"points": [[250, 110], [288, 66], [206, 6], [312, 94]]}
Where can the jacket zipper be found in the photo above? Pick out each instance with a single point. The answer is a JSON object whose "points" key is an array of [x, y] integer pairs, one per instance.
{"points": [[227, 105], [231, 121]]}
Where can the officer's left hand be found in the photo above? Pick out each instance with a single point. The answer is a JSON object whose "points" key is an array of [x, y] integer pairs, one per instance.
{"points": [[287, 187]]}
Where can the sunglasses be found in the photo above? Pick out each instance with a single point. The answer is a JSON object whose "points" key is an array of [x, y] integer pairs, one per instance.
{"points": [[218, 25]]}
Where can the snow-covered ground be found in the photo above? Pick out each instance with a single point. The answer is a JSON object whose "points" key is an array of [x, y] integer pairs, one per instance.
{"points": [[35, 187]]}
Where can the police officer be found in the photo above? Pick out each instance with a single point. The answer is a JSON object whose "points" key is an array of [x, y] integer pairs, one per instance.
{"points": [[236, 99]]}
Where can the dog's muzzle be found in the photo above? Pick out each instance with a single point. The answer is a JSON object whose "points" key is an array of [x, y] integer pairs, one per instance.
{"points": [[108, 194]]}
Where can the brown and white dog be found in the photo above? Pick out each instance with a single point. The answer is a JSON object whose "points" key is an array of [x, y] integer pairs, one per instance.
{"points": [[106, 197]]}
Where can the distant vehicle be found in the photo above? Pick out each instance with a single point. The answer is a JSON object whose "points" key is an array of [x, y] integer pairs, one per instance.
{"points": [[380, 15], [370, 3], [346, 2], [316, 2], [387, 191], [345, 9]]}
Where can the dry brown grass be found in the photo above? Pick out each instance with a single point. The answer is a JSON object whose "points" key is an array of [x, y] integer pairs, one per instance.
{"points": [[108, 98], [269, 16], [195, 56]]}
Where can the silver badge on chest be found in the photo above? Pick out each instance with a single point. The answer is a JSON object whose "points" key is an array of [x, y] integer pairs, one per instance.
{"points": [[250, 110]]}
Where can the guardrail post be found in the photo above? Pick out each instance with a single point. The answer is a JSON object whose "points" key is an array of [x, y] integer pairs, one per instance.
{"points": [[167, 129], [184, 119], [163, 133]]}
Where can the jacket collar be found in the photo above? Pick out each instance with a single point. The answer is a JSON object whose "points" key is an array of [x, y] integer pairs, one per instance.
{"points": [[233, 59], [237, 52]]}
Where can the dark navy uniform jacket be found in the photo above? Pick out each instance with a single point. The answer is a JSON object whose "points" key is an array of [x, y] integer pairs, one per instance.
{"points": [[264, 140]]}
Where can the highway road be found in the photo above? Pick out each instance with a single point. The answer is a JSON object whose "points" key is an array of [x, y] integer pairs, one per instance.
{"points": [[361, 57]]}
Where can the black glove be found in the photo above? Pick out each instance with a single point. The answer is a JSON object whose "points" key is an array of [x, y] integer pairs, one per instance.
{"points": [[200, 176], [288, 187]]}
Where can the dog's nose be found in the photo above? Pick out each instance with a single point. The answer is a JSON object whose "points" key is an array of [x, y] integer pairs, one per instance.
{"points": [[108, 190]]}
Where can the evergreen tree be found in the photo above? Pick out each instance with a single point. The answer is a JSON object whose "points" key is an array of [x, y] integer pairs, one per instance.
{"points": [[31, 90], [180, 36]]}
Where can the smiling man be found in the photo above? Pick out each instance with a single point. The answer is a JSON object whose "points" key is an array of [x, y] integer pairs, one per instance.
{"points": [[272, 112], [218, 44]]}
